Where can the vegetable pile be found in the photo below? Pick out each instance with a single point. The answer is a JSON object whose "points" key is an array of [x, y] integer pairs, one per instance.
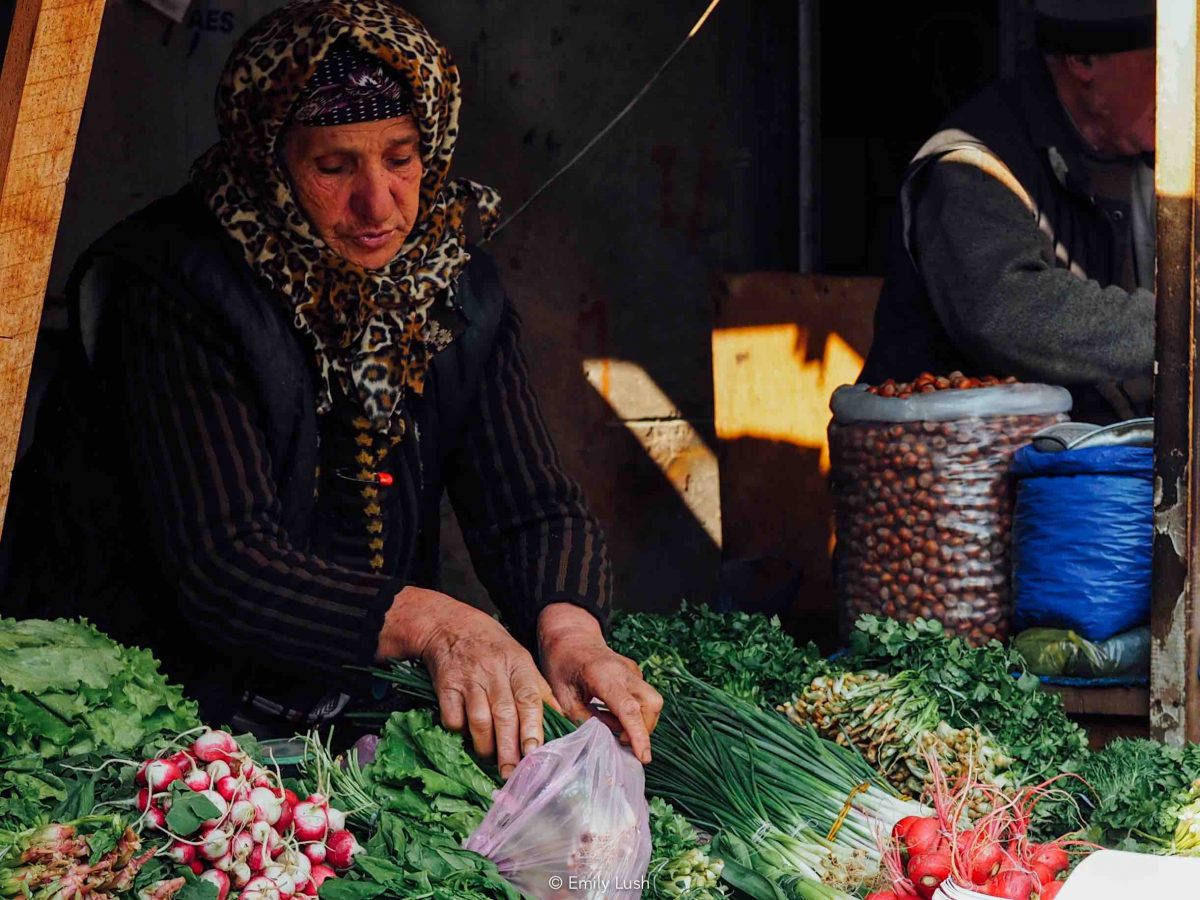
{"points": [[67, 691], [97, 856], [235, 825]]}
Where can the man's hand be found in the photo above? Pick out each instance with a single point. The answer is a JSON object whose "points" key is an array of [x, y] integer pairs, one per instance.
{"points": [[485, 681], [581, 666]]}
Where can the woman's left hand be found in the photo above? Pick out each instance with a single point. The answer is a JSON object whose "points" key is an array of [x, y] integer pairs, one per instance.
{"points": [[580, 666]]}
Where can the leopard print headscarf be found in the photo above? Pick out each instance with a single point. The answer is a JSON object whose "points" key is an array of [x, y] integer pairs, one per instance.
{"points": [[374, 330]]}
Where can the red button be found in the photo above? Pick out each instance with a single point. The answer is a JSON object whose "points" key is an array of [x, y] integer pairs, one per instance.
{"points": [[385, 478]]}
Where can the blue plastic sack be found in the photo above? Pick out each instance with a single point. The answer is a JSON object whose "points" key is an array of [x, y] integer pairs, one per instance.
{"points": [[1082, 537]]}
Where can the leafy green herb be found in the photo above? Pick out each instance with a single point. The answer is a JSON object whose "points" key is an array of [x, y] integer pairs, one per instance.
{"points": [[986, 687], [747, 655]]}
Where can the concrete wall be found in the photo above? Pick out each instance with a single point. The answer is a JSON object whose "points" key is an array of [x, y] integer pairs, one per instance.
{"points": [[615, 263]]}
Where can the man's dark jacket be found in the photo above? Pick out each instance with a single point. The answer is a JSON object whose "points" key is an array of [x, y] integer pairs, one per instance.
{"points": [[1029, 284]]}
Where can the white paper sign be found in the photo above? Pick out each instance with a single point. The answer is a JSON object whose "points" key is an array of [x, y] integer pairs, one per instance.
{"points": [[1116, 875], [176, 9]]}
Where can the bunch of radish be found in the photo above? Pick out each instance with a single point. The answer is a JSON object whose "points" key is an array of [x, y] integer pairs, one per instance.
{"points": [[264, 843], [994, 858]]}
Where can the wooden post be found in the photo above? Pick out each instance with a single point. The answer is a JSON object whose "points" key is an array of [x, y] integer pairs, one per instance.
{"points": [[1175, 653], [42, 88]]}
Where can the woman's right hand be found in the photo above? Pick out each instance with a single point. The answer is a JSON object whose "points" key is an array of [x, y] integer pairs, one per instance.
{"points": [[485, 681]]}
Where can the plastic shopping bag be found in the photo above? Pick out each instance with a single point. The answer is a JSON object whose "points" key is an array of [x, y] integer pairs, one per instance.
{"points": [[572, 822]]}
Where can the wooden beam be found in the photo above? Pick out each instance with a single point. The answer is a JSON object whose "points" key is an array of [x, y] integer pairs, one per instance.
{"points": [[42, 88], [1175, 648]]}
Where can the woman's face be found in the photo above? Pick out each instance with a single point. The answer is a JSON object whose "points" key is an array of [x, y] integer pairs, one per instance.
{"points": [[359, 185]]}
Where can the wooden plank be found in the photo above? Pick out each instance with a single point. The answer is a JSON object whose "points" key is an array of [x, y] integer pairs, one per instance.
{"points": [[1130, 702], [43, 83], [1175, 651]]}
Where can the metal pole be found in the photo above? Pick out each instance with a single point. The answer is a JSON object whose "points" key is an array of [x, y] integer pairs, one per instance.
{"points": [[1175, 655]]}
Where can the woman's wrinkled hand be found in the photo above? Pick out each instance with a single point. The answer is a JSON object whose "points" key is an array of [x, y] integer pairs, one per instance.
{"points": [[581, 667], [486, 682]]}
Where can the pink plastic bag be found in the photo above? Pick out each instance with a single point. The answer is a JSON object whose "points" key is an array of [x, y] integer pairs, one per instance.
{"points": [[572, 822]]}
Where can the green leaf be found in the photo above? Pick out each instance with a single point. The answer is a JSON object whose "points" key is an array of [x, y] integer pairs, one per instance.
{"points": [[197, 890], [188, 812], [344, 889]]}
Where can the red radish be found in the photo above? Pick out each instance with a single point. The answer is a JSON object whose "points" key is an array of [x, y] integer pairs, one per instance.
{"points": [[1054, 858], [286, 814], [215, 844], [1042, 873], [248, 771], [241, 845], [215, 745], [882, 895], [144, 801], [310, 821], [1013, 884], [227, 787], [156, 817], [267, 805], [315, 852], [319, 799], [258, 858], [922, 836], [262, 780], [984, 859], [218, 770], [160, 773], [260, 888], [225, 863], [1050, 891], [341, 848], [283, 881], [320, 872], [926, 872], [299, 867], [181, 853], [275, 844], [290, 796], [219, 878], [197, 780], [184, 760], [261, 832], [196, 866], [241, 813], [337, 819], [241, 875]]}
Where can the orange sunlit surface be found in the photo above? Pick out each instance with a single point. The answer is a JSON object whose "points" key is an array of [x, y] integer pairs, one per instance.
{"points": [[764, 386]]}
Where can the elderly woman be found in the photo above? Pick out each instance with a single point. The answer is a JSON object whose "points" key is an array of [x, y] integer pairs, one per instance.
{"points": [[281, 369]]}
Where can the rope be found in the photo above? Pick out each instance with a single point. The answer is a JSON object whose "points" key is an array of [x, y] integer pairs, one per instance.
{"points": [[609, 127], [846, 807]]}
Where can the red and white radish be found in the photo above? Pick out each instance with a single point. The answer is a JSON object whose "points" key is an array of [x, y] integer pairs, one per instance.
{"points": [[215, 745], [341, 849], [261, 832], [320, 873], [218, 878], [197, 866], [260, 888], [144, 800], [241, 813], [309, 821], [184, 760], [156, 817], [240, 845], [214, 844], [286, 816], [225, 863], [267, 805], [337, 819], [197, 780], [314, 852], [217, 770], [160, 773], [181, 852], [240, 874]]}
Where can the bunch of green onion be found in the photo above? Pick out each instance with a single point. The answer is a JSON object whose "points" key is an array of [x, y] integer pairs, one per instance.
{"points": [[804, 806]]}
